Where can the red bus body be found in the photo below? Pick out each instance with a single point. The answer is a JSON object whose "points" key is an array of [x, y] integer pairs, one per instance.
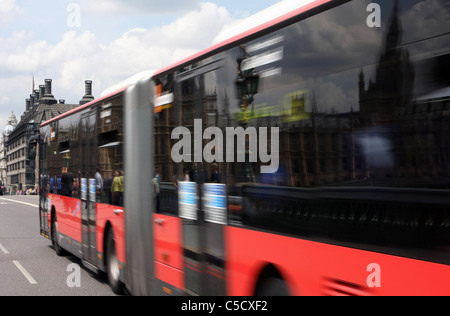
{"points": [[69, 215], [68, 212], [327, 269]]}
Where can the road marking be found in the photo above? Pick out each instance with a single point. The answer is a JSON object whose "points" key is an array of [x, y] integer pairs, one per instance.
{"points": [[25, 272], [4, 249], [19, 202]]}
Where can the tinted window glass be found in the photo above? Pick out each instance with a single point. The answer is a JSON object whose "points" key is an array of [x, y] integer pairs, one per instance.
{"points": [[327, 127], [109, 173], [354, 105]]}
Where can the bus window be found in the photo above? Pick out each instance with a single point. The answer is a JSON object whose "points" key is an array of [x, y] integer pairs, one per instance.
{"points": [[167, 173], [109, 175]]}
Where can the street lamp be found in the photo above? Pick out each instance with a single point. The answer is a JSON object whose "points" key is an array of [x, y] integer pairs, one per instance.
{"points": [[252, 84], [247, 84], [240, 87]]}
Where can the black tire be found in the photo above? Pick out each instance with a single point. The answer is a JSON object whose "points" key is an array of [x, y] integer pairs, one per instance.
{"points": [[59, 251], [272, 286], [112, 265]]}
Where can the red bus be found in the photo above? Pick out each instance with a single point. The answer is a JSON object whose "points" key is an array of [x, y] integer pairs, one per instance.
{"points": [[307, 155]]}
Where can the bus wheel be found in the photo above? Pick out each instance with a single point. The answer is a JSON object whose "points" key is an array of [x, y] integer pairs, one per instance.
{"points": [[273, 287], [59, 251], [112, 265], [271, 283]]}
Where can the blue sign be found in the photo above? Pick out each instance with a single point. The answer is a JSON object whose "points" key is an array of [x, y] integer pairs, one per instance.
{"points": [[187, 200], [92, 189], [215, 203], [83, 189]]}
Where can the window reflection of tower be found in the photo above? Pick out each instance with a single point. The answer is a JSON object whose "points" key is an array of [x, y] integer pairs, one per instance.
{"points": [[388, 102], [394, 82]]}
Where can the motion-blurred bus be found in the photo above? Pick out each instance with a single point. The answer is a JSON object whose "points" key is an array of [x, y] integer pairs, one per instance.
{"points": [[350, 98]]}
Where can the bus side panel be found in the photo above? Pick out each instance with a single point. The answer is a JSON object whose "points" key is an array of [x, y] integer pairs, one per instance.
{"points": [[68, 215], [169, 260], [170, 275], [311, 268], [248, 251], [107, 213]]}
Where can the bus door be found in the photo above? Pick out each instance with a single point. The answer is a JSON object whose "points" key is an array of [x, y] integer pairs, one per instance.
{"points": [[88, 188], [37, 143], [203, 233], [202, 204]]}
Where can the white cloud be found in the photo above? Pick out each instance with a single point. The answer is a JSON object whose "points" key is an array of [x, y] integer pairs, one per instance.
{"points": [[4, 100], [140, 49], [426, 20], [80, 56], [8, 10]]}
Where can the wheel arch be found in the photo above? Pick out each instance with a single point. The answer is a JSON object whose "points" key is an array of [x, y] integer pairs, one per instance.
{"points": [[268, 273], [108, 227], [53, 213]]}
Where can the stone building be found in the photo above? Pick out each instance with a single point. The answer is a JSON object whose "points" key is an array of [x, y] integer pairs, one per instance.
{"points": [[12, 123], [22, 173]]}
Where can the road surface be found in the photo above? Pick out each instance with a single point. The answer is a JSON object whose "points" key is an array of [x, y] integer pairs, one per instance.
{"points": [[28, 263]]}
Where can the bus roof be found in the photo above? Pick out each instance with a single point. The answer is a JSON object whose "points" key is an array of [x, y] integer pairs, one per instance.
{"points": [[84, 106], [128, 82], [265, 19], [109, 92]]}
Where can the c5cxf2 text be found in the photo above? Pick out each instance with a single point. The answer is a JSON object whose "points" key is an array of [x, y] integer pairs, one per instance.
{"points": [[246, 305]]}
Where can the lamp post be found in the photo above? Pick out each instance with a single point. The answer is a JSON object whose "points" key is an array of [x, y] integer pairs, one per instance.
{"points": [[30, 161], [247, 84]]}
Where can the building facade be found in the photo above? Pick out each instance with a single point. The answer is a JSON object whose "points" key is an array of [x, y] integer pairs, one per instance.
{"points": [[12, 123], [21, 172]]}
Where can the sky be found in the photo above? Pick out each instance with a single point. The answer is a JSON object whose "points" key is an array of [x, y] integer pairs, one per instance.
{"points": [[105, 41]]}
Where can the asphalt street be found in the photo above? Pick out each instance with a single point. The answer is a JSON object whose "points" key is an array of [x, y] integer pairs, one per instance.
{"points": [[28, 263]]}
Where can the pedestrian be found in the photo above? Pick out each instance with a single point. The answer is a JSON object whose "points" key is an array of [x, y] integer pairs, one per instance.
{"points": [[216, 177], [156, 187], [116, 188], [175, 177], [98, 185], [66, 182]]}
